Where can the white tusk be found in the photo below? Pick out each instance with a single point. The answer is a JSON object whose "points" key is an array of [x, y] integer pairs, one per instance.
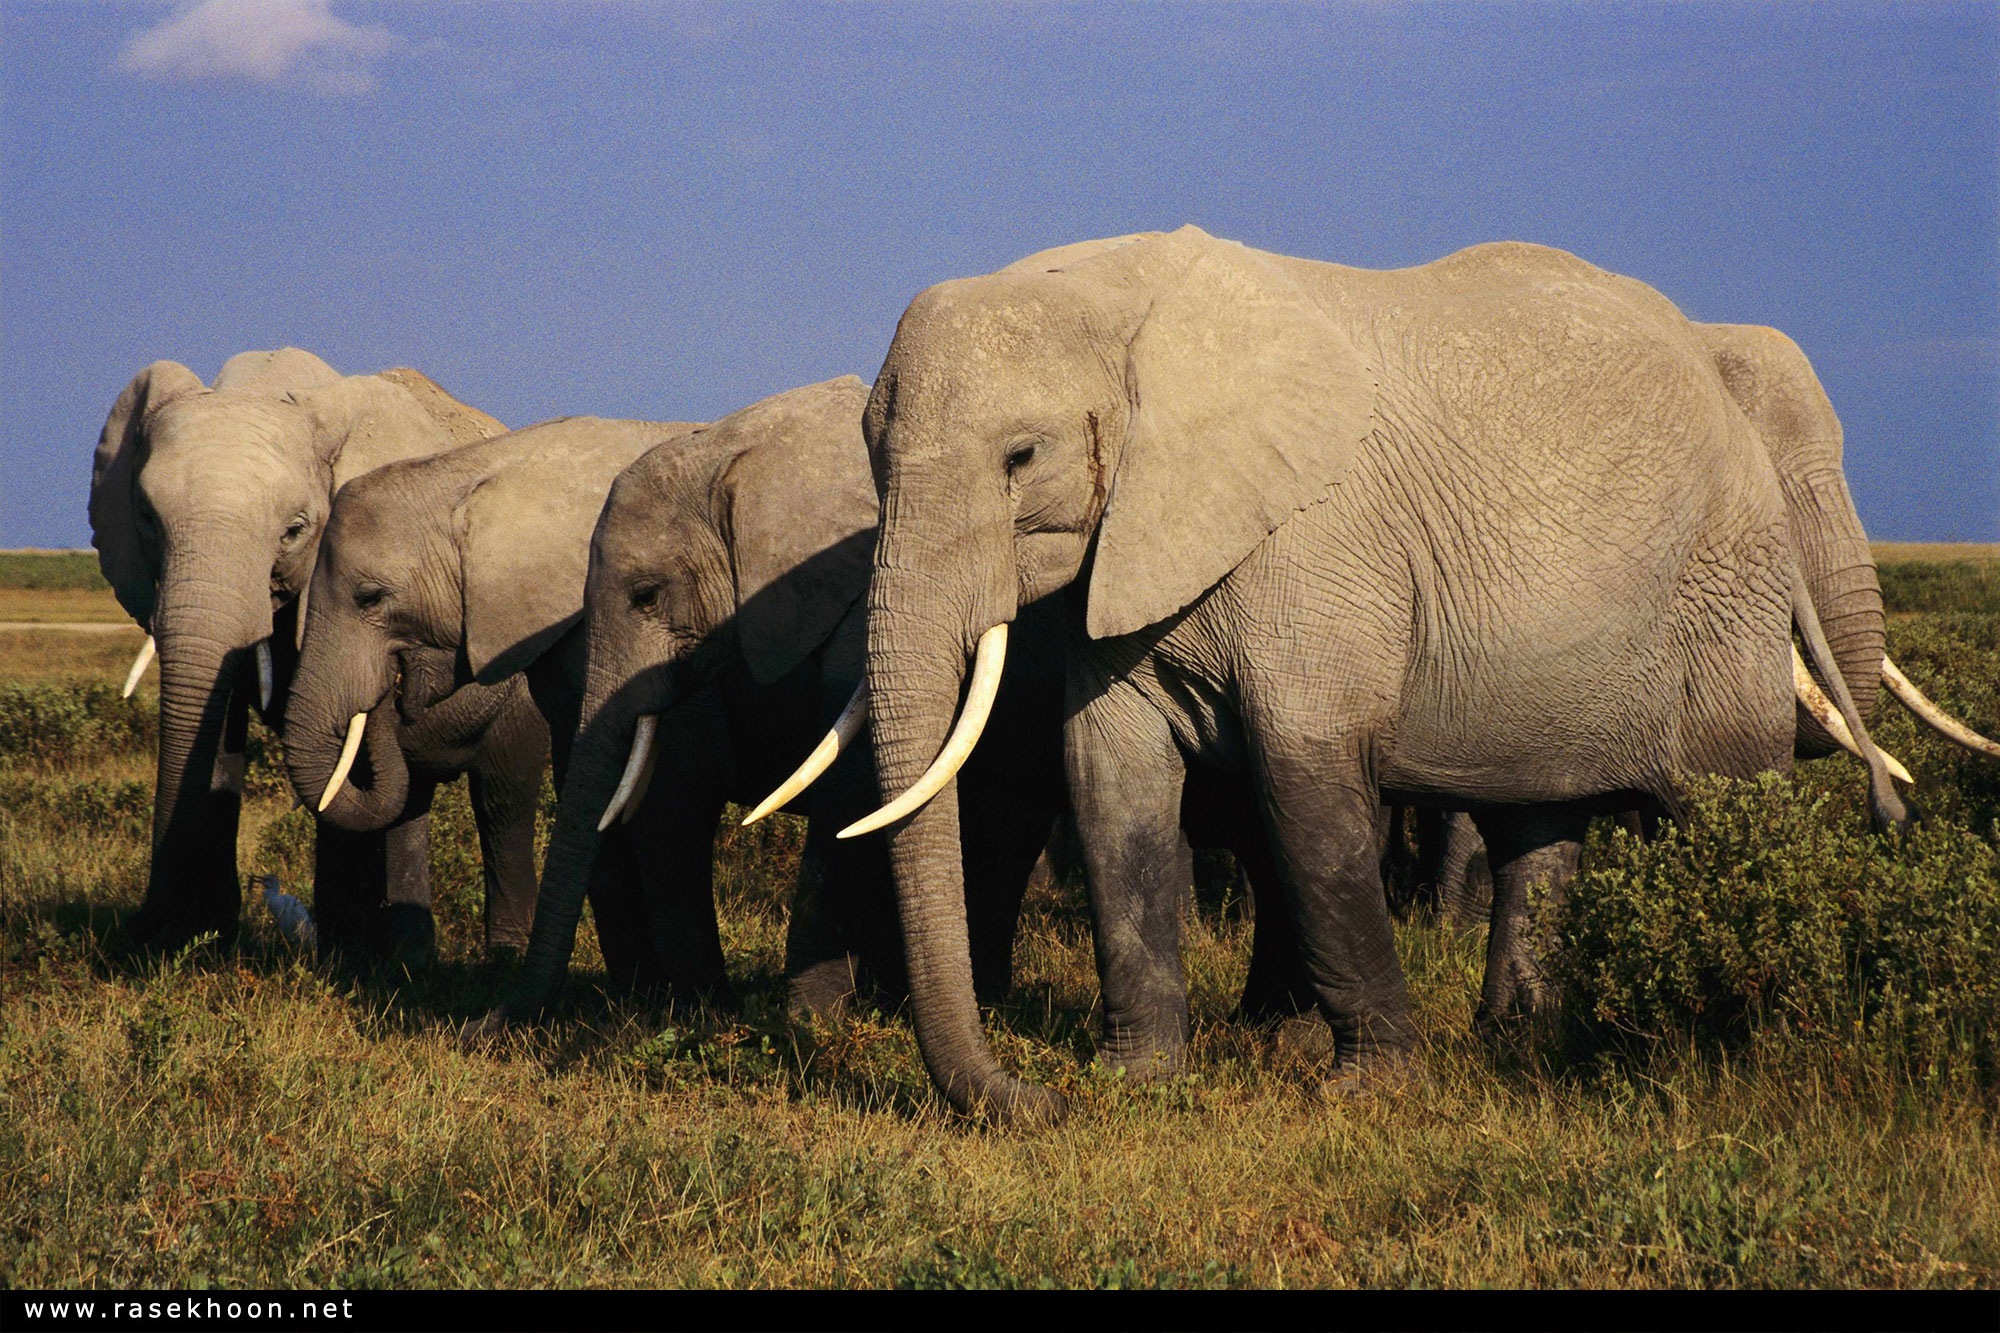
{"points": [[639, 788], [264, 674], [139, 665], [642, 747], [845, 728], [299, 621], [1823, 709], [986, 665], [347, 753], [1939, 721]]}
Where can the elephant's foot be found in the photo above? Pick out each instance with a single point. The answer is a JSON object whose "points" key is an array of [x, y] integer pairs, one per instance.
{"points": [[1379, 1071], [409, 936], [1139, 1059], [1303, 1037], [824, 990], [169, 928]]}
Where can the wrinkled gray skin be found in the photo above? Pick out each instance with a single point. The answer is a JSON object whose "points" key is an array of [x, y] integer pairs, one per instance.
{"points": [[1486, 533], [1775, 386], [206, 506], [725, 597], [440, 580]]}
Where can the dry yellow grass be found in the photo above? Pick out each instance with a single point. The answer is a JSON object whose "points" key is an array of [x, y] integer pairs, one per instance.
{"points": [[1897, 553]]}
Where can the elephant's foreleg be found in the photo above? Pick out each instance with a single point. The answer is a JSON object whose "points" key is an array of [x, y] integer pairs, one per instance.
{"points": [[505, 782], [1003, 833], [1125, 779], [674, 841], [1529, 851], [408, 930]]}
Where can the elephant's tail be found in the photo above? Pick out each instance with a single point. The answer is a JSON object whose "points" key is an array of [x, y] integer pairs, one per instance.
{"points": [[1885, 805]]}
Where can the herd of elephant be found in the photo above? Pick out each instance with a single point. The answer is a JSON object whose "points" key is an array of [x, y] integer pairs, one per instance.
{"points": [[1196, 544]]}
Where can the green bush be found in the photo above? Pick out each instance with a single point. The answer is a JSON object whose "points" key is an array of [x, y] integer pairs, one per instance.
{"points": [[72, 723], [1770, 923], [50, 570], [1958, 586]]}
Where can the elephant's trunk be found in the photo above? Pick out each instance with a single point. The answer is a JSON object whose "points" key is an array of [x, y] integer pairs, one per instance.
{"points": [[1840, 577], [202, 627], [915, 668], [373, 792]]}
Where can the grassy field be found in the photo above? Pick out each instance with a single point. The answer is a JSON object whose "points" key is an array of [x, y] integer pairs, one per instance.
{"points": [[247, 1120]]}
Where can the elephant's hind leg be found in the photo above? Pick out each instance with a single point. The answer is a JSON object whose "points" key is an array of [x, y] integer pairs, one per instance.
{"points": [[1532, 850]]}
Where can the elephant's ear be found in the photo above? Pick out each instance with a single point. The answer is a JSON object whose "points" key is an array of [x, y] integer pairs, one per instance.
{"points": [[525, 537], [1247, 403], [800, 515], [284, 371], [361, 422], [464, 423], [127, 564]]}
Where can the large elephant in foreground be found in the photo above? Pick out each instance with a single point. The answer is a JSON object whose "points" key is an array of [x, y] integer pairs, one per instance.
{"points": [[724, 621], [440, 581], [1488, 533], [206, 504]]}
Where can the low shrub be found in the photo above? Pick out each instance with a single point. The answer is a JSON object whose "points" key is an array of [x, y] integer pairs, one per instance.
{"points": [[72, 723], [51, 570], [1946, 586], [1769, 924]]}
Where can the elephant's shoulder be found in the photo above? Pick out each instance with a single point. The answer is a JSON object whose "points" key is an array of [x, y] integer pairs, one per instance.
{"points": [[1510, 261]]}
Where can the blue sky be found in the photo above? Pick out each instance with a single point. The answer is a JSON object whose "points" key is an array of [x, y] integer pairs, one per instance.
{"points": [[668, 211]]}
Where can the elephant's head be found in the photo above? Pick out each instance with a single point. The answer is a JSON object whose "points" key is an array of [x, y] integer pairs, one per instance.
{"points": [[740, 547], [206, 508], [1132, 416], [438, 580]]}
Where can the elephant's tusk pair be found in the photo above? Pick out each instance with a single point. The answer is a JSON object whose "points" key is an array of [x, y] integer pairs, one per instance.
{"points": [[1828, 716], [845, 728], [635, 767], [264, 675], [139, 665], [1936, 718], [986, 666], [347, 754]]}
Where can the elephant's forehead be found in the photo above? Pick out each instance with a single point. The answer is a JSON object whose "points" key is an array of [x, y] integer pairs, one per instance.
{"points": [[215, 446]]}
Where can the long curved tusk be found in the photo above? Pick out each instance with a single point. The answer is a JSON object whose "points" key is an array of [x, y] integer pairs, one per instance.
{"points": [[299, 621], [1822, 708], [1939, 721], [986, 666], [347, 753], [642, 746], [139, 665], [640, 788], [845, 728], [264, 674]]}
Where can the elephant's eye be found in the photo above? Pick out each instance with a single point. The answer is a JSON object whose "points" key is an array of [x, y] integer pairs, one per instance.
{"points": [[369, 596], [1020, 455], [295, 529], [645, 597]]}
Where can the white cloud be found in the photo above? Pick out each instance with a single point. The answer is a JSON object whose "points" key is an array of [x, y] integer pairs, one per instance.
{"points": [[264, 41]]}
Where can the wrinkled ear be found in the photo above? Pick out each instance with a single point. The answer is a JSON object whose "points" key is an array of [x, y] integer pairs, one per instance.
{"points": [[1247, 402], [801, 511], [126, 561], [361, 422], [525, 539]]}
